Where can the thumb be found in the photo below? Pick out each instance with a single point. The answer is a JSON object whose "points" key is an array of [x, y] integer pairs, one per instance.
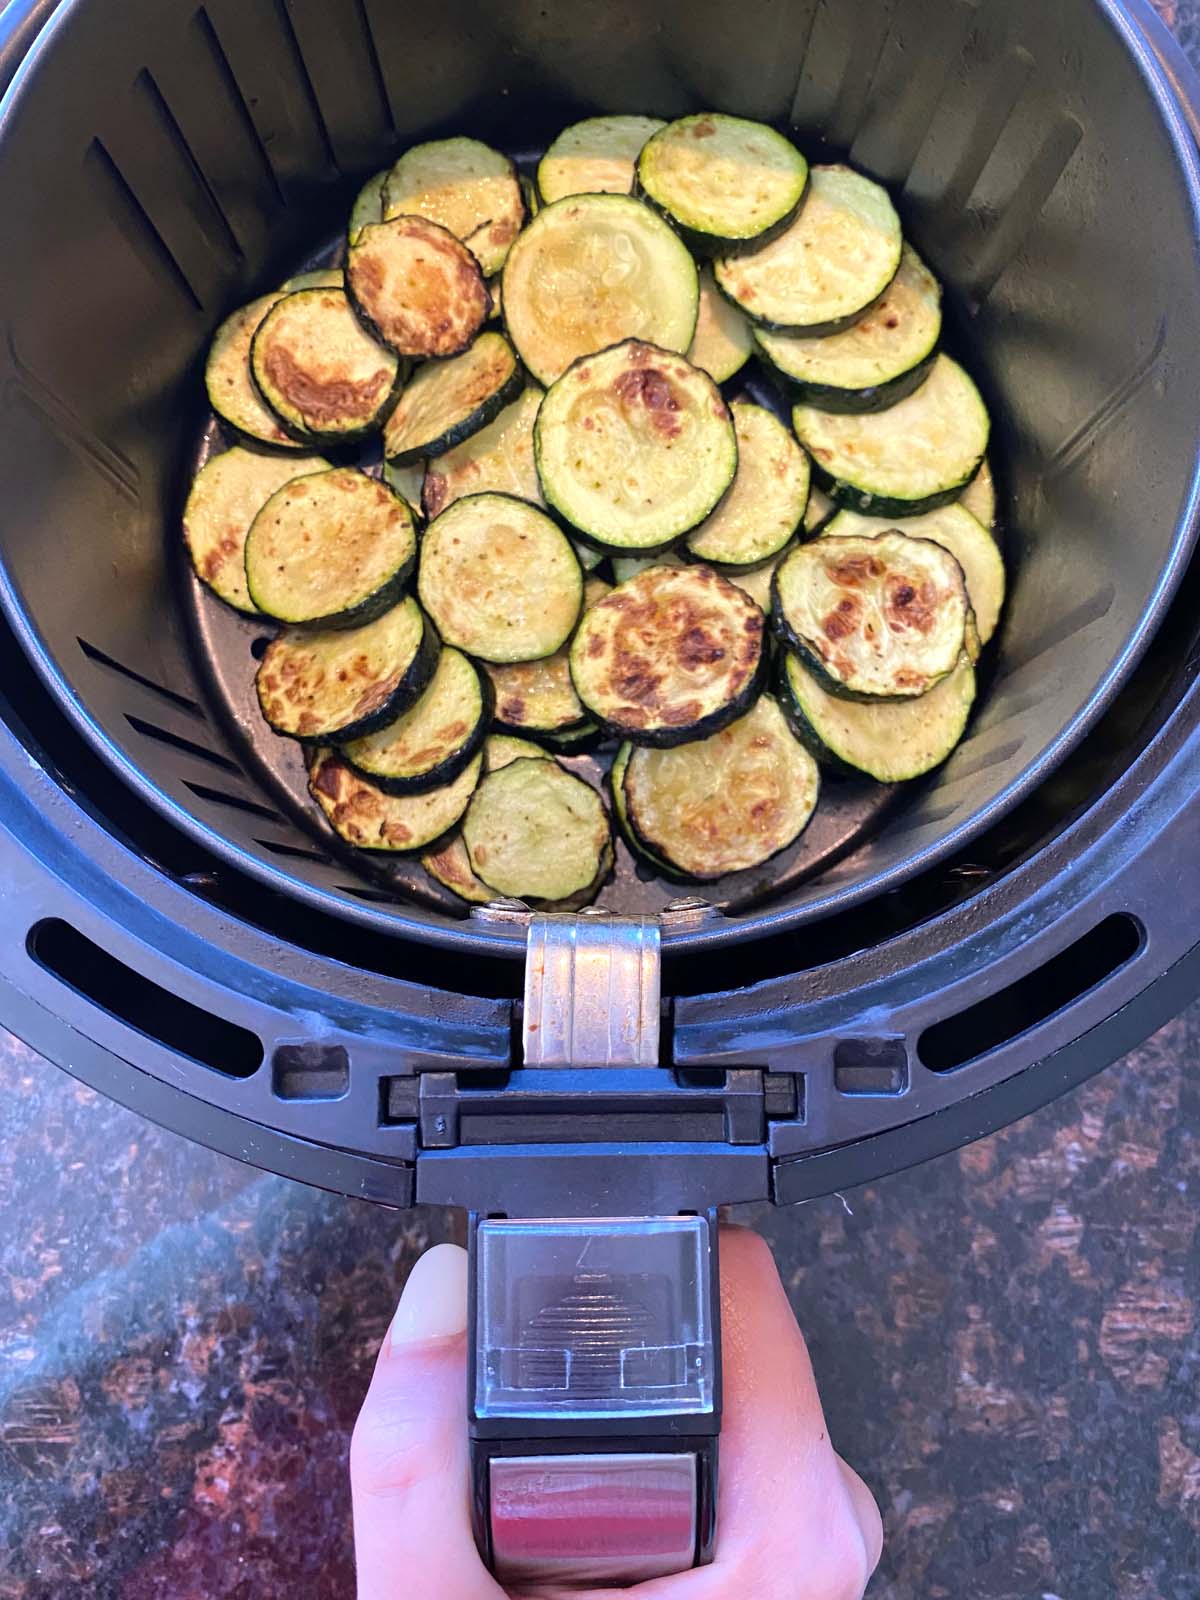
{"points": [[408, 1457]]}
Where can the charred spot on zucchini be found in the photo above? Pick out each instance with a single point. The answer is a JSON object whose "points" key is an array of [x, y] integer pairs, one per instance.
{"points": [[496, 460], [595, 156], [888, 740], [536, 832], [670, 655], [499, 578], [884, 616], [433, 740], [878, 359], [916, 455], [727, 183], [331, 549], [765, 503], [724, 803], [227, 378], [833, 261], [341, 683], [466, 187], [590, 271], [417, 287], [956, 530], [538, 697], [228, 493], [368, 206], [319, 370], [446, 402], [363, 815], [634, 446], [722, 342]]}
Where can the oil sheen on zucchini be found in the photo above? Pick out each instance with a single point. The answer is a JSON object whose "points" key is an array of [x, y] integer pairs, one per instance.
{"points": [[538, 697], [319, 370], [363, 815], [228, 493], [432, 741], [822, 272], [446, 402], [725, 803], [634, 446], [228, 380], [596, 156], [535, 831], [341, 683], [500, 579], [670, 655], [449, 864], [498, 459], [765, 503], [465, 186], [590, 271], [918, 454], [722, 343], [727, 183], [888, 740], [417, 287], [331, 549], [878, 359], [883, 616]]}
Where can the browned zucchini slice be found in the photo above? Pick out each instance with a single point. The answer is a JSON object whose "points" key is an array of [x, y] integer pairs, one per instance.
{"points": [[417, 286], [722, 343], [595, 156], [498, 460], [446, 402], [319, 370], [361, 814], [765, 503], [535, 831], [465, 186], [227, 378], [538, 697], [432, 741], [450, 864]]}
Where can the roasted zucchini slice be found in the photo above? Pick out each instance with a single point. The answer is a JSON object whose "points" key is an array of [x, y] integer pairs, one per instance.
{"points": [[590, 271], [724, 803], [673, 654], [616, 789], [880, 617], [227, 377], [766, 501], [634, 446], [878, 359], [979, 497], [722, 342], [538, 697], [956, 530], [228, 493], [596, 156], [450, 865], [535, 831], [447, 401], [431, 742], [727, 183], [320, 371], [341, 683], [496, 460], [363, 815], [368, 206], [888, 740], [417, 287], [918, 454], [332, 549], [758, 584], [818, 510], [465, 186], [317, 278], [819, 275], [407, 481], [500, 579]]}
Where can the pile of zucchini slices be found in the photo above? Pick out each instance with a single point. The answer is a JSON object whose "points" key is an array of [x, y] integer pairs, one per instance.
{"points": [[590, 531]]}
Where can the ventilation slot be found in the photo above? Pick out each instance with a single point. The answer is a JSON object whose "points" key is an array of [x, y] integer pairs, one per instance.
{"points": [[219, 233], [134, 222], [310, 1071], [187, 747], [306, 83], [379, 897], [237, 99], [293, 852], [870, 1066], [181, 700], [376, 64], [156, 1013], [1022, 211], [1033, 999], [234, 802]]}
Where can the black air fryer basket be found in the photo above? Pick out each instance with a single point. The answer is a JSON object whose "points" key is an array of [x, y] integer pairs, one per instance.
{"points": [[179, 936]]}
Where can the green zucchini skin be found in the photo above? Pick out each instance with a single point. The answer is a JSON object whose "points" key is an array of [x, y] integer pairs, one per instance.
{"points": [[444, 771], [861, 402], [811, 330], [471, 420], [363, 816], [705, 246], [851, 498], [616, 790]]}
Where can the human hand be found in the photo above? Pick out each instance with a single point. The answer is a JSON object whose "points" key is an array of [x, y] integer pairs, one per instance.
{"points": [[794, 1522]]}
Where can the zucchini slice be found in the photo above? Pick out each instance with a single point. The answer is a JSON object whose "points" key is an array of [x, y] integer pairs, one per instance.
{"points": [[417, 287], [758, 584], [819, 509], [535, 831], [332, 549], [888, 740], [227, 378], [956, 530], [447, 401], [616, 788], [341, 683], [407, 481], [673, 654], [496, 460], [634, 446], [450, 865], [465, 186], [500, 579], [368, 205], [724, 803], [431, 742], [878, 359], [979, 497], [319, 370], [318, 278], [918, 454], [595, 156], [722, 342], [822, 272], [538, 697], [228, 493], [591, 270], [729, 184], [880, 617], [361, 814], [766, 501]]}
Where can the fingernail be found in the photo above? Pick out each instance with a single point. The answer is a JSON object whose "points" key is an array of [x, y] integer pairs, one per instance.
{"points": [[434, 1302]]}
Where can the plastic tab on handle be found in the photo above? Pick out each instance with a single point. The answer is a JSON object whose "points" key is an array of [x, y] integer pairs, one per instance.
{"points": [[592, 991]]}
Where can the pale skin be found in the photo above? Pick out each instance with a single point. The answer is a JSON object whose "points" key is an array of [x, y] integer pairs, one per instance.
{"points": [[795, 1522]]}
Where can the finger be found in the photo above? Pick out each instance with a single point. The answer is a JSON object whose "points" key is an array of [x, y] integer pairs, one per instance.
{"points": [[867, 1512], [408, 1457]]}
